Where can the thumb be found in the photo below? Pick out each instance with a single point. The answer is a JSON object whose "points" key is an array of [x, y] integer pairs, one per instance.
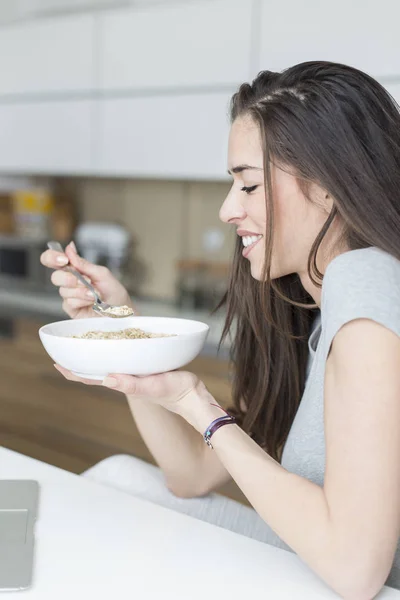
{"points": [[81, 264]]}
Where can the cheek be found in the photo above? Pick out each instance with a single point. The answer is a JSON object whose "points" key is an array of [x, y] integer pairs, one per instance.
{"points": [[291, 222], [290, 237], [256, 210]]}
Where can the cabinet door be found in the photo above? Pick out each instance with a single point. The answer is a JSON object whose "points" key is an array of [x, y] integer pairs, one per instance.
{"points": [[176, 45], [394, 91], [49, 7], [11, 10], [48, 55], [46, 137], [363, 34], [164, 136]]}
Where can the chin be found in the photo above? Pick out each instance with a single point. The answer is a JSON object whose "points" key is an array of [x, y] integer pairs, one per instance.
{"points": [[256, 270]]}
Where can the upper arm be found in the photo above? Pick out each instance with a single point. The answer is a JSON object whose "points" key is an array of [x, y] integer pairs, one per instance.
{"points": [[362, 431]]}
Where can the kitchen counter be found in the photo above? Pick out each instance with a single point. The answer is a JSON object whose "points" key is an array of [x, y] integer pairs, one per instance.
{"points": [[95, 542], [47, 306]]}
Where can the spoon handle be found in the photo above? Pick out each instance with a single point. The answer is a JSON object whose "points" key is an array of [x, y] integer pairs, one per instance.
{"points": [[58, 248]]}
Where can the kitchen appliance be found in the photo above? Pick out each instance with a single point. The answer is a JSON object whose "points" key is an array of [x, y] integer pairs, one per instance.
{"points": [[20, 266], [7, 222], [107, 244], [33, 208], [25, 207]]}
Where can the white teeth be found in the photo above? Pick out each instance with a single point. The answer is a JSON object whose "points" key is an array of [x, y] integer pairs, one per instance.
{"points": [[250, 239]]}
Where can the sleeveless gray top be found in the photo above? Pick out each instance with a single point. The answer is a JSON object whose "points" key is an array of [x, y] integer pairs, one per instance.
{"points": [[357, 284]]}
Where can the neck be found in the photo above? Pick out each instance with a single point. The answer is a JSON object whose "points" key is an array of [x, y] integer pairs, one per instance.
{"points": [[322, 264], [314, 291]]}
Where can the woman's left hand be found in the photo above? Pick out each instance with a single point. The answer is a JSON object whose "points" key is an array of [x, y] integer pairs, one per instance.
{"points": [[167, 389]]}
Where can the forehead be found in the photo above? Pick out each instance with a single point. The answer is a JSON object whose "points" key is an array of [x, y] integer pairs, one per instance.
{"points": [[244, 145]]}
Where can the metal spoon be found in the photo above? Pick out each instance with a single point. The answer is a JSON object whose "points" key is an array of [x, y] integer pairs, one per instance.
{"points": [[100, 307]]}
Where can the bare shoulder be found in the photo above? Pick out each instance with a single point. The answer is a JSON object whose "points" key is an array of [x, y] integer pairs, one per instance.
{"points": [[363, 366], [364, 339]]}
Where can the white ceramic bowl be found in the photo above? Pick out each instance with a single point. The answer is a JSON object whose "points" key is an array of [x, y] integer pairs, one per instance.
{"points": [[95, 359]]}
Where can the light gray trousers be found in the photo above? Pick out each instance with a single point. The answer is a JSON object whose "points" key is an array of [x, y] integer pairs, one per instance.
{"points": [[143, 480]]}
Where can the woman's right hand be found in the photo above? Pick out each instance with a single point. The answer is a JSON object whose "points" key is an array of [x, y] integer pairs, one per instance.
{"points": [[77, 300]]}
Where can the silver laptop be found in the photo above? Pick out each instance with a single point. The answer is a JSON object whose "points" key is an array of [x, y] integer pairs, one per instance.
{"points": [[18, 511]]}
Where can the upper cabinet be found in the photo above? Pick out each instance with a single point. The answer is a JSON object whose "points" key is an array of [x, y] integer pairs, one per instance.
{"points": [[47, 55], [11, 10], [170, 137], [51, 7], [140, 88], [203, 43], [394, 91], [361, 34], [46, 137]]}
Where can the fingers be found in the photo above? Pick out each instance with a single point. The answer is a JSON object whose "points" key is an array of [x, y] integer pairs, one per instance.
{"points": [[57, 260], [65, 279], [127, 384], [76, 303], [95, 272], [123, 383], [53, 259], [78, 293], [71, 377], [149, 386], [67, 308]]}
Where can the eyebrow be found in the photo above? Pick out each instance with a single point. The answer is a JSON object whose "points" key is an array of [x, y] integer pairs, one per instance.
{"points": [[241, 168]]}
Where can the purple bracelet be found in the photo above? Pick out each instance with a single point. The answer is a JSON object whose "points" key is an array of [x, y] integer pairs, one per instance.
{"points": [[212, 428]]}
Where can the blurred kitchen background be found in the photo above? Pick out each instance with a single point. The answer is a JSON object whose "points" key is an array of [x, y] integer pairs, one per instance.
{"points": [[113, 132]]}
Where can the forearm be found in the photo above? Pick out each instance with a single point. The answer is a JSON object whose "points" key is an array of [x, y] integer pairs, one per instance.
{"points": [[294, 507], [177, 448]]}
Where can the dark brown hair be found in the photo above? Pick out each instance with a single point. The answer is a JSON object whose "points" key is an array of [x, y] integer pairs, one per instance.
{"points": [[338, 127]]}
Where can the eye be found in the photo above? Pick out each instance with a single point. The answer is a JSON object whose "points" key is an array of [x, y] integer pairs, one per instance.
{"points": [[250, 189]]}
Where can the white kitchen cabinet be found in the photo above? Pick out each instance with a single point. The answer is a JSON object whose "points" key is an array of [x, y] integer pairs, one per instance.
{"points": [[172, 137], [12, 10], [48, 137], [198, 43], [47, 55], [394, 91], [361, 33], [48, 7]]}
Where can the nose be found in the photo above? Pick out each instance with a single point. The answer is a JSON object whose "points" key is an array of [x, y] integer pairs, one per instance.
{"points": [[232, 210]]}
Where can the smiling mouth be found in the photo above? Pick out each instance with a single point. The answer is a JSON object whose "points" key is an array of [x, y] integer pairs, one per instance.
{"points": [[249, 241]]}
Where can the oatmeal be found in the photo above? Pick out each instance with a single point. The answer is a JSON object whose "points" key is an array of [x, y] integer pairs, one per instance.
{"points": [[119, 311], [123, 334]]}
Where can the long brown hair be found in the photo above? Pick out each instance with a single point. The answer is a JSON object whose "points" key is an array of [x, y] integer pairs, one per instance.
{"points": [[337, 127]]}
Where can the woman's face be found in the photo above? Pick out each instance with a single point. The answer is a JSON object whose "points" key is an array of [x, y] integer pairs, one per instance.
{"points": [[297, 220]]}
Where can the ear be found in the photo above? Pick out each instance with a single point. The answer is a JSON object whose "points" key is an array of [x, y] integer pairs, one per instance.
{"points": [[329, 203], [321, 197]]}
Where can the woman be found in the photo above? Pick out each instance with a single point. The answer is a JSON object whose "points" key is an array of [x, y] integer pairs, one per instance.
{"points": [[314, 153]]}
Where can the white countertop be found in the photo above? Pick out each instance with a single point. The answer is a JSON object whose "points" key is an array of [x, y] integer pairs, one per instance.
{"points": [[93, 542]]}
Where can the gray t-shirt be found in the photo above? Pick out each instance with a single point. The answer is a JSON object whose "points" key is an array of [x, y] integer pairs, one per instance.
{"points": [[357, 284]]}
